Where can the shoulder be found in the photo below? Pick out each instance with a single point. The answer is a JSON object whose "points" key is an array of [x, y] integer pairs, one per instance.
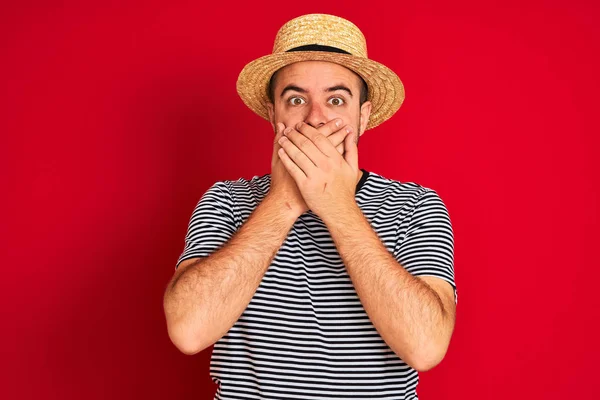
{"points": [[240, 192], [384, 186], [255, 187], [257, 183], [411, 197]]}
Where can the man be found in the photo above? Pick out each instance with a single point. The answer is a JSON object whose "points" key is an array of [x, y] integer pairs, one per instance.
{"points": [[321, 280]]}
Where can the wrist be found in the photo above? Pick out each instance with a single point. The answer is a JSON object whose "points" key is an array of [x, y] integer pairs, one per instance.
{"points": [[281, 207], [341, 215]]}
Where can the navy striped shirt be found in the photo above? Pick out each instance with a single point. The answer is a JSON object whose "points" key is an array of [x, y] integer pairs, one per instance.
{"points": [[305, 334]]}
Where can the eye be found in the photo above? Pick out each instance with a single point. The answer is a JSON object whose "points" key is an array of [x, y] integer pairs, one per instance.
{"points": [[336, 101], [296, 101]]}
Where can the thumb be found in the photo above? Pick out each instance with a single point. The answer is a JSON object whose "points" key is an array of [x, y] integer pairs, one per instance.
{"points": [[351, 151], [279, 127]]}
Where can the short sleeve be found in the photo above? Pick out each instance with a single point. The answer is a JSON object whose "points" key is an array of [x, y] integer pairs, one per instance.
{"points": [[211, 224], [428, 246]]}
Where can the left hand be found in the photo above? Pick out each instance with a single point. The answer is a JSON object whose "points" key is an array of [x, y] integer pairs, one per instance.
{"points": [[326, 180]]}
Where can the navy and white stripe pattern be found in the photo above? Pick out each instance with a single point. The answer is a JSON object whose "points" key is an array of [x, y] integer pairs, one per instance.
{"points": [[305, 334]]}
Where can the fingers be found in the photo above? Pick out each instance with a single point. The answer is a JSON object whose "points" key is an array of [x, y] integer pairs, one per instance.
{"points": [[330, 127], [339, 136], [351, 152], [278, 132], [335, 134], [312, 142]]}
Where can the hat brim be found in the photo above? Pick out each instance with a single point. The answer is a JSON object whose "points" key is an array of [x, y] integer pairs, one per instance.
{"points": [[386, 91]]}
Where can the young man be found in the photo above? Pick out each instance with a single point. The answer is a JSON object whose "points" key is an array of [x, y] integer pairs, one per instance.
{"points": [[319, 280]]}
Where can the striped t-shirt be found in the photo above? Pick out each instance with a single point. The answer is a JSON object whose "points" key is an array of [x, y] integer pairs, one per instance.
{"points": [[305, 334]]}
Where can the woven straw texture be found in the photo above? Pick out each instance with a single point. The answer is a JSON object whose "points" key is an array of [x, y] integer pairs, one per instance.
{"points": [[386, 91]]}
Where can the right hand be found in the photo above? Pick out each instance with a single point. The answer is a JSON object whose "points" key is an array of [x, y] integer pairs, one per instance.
{"points": [[283, 185]]}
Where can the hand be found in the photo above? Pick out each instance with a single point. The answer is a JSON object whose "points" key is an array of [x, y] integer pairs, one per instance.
{"points": [[326, 180], [283, 185]]}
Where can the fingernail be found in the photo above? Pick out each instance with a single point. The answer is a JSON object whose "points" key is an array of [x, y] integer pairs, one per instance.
{"points": [[287, 130], [338, 122], [299, 125], [349, 129]]}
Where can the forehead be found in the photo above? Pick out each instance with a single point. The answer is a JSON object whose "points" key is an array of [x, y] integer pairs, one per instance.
{"points": [[317, 73]]}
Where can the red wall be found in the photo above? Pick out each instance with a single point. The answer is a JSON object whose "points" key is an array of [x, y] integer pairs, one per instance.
{"points": [[116, 118]]}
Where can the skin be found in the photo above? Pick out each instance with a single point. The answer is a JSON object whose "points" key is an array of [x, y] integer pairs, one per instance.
{"points": [[317, 106], [414, 315], [303, 94], [206, 296]]}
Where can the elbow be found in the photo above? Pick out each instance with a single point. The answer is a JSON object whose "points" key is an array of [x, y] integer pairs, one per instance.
{"points": [[187, 347], [429, 358], [186, 343], [421, 358], [425, 364], [183, 334]]}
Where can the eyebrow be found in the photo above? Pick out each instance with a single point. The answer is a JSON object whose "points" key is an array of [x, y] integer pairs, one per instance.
{"points": [[339, 87], [301, 90]]}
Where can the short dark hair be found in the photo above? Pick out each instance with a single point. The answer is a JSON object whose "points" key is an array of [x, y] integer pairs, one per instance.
{"points": [[364, 89]]}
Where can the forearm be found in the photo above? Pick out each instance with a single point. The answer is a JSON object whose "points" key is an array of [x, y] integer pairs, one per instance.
{"points": [[206, 298], [406, 312]]}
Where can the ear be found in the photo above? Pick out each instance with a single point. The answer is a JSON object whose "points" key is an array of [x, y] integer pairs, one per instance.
{"points": [[365, 112], [271, 116]]}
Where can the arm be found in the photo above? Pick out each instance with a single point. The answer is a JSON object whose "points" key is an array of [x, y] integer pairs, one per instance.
{"points": [[207, 296], [414, 315]]}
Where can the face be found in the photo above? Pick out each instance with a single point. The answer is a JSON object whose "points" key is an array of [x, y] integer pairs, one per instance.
{"points": [[316, 92]]}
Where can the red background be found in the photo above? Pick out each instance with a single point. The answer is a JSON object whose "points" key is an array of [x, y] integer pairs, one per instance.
{"points": [[115, 118]]}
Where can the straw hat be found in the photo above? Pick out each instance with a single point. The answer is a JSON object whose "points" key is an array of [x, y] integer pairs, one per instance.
{"points": [[322, 37]]}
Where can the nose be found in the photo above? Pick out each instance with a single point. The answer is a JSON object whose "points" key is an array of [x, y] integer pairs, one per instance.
{"points": [[315, 117]]}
